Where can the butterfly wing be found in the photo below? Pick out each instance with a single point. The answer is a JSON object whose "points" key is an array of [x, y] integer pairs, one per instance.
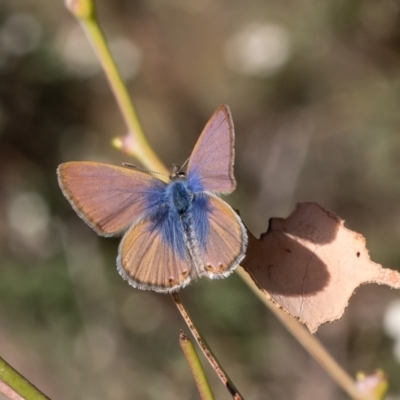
{"points": [[223, 240], [106, 197], [211, 163], [153, 254]]}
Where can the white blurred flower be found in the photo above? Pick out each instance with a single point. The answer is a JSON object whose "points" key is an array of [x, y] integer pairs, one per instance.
{"points": [[391, 320], [31, 226], [127, 56], [79, 57], [28, 215], [258, 49]]}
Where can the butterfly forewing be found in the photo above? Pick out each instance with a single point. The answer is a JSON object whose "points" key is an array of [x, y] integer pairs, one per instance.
{"points": [[106, 197], [153, 256], [226, 240], [211, 163]]}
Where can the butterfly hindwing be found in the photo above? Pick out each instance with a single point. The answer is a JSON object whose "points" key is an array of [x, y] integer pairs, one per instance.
{"points": [[221, 236], [108, 198], [210, 166], [153, 255]]}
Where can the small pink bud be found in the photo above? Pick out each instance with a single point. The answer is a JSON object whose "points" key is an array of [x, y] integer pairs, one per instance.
{"points": [[81, 8]]}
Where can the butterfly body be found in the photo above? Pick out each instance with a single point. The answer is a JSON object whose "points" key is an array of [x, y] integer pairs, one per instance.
{"points": [[180, 195], [172, 232], [180, 218]]}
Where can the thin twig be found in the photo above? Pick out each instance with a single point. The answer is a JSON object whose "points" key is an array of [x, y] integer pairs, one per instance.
{"points": [[196, 368], [310, 343], [138, 147], [13, 384], [206, 349]]}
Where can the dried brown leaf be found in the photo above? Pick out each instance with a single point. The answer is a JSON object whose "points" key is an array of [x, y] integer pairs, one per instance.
{"points": [[310, 264]]}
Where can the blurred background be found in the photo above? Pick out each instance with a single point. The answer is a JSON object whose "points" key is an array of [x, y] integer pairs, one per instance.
{"points": [[314, 89]]}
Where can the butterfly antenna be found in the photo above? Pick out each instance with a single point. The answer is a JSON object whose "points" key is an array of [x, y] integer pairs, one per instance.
{"points": [[129, 165], [183, 165]]}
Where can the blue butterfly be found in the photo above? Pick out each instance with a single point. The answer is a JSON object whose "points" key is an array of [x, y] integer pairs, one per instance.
{"points": [[172, 232]]}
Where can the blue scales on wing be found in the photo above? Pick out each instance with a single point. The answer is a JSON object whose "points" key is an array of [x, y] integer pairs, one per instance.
{"points": [[153, 254]]}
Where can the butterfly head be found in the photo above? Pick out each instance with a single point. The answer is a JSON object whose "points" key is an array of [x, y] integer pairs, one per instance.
{"points": [[177, 173]]}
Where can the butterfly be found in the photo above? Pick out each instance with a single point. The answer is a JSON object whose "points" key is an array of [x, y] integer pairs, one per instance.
{"points": [[172, 232]]}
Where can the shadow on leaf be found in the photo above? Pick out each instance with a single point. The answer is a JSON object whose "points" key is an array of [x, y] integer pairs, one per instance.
{"points": [[310, 264], [283, 261]]}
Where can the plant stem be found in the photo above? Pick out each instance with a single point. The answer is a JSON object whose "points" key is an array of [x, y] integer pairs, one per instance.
{"points": [[206, 349], [310, 343], [196, 368], [140, 148], [14, 386], [137, 146]]}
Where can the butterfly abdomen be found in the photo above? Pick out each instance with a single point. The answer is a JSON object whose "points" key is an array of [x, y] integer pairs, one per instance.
{"points": [[192, 243]]}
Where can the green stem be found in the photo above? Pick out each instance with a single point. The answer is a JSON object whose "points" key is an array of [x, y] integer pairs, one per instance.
{"points": [[84, 11], [206, 349], [13, 382], [196, 368], [138, 145]]}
